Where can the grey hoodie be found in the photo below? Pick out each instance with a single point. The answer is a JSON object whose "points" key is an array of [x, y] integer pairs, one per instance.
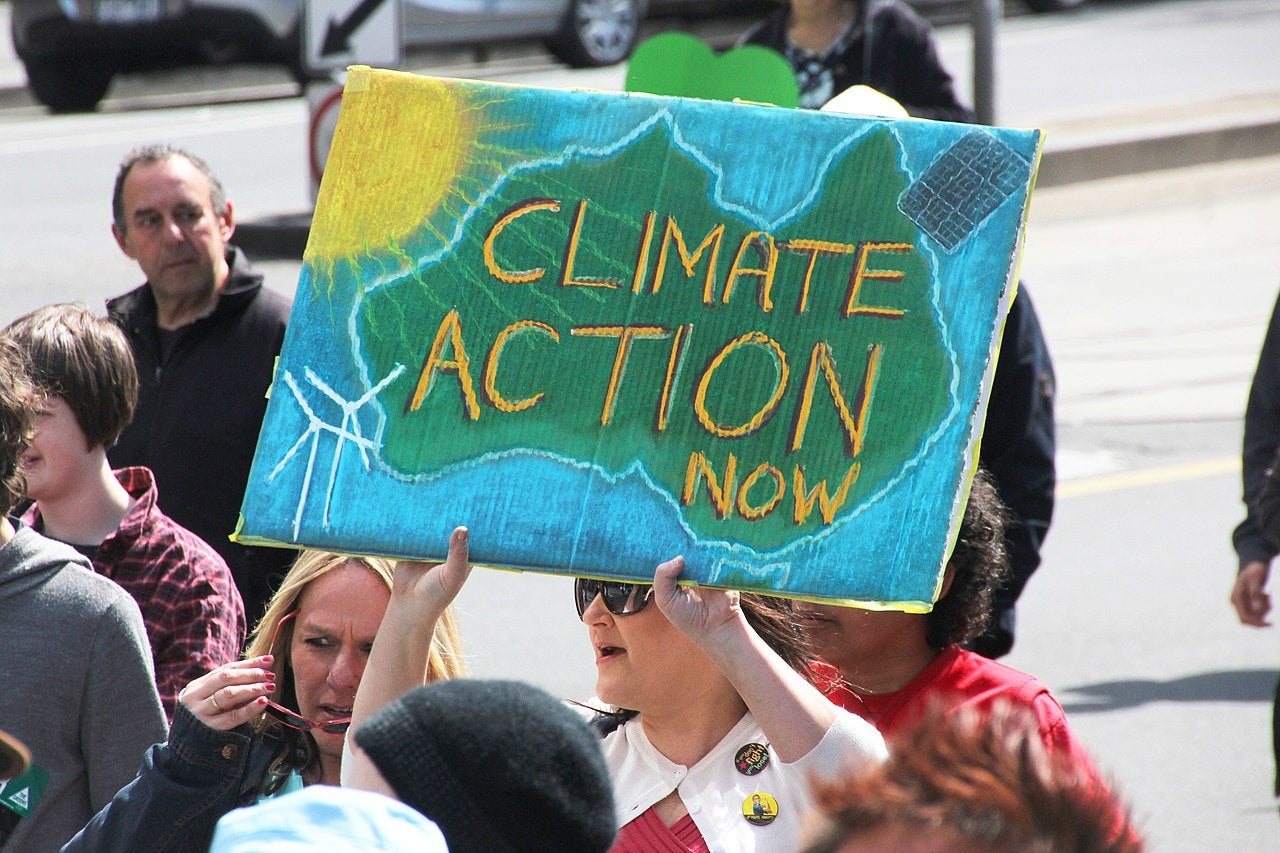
{"points": [[76, 686]]}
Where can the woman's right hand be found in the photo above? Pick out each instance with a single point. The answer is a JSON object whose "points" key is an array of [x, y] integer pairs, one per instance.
{"points": [[701, 613], [232, 694]]}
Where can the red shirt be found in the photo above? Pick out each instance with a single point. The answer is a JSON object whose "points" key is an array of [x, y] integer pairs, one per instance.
{"points": [[972, 680], [192, 610], [648, 834]]}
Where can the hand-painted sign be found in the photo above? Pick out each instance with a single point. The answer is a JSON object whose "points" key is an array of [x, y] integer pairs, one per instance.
{"points": [[602, 329]]}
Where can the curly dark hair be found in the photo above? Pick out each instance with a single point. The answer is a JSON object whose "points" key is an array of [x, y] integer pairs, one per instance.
{"points": [[18, 400], [979, 565]]}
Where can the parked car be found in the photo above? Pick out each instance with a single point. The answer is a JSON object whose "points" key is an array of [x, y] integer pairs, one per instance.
{"points": [[1052, 5], [72, 48]]}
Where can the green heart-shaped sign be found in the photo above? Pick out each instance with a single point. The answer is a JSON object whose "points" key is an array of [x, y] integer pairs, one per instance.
{"points": [[684, 66]]}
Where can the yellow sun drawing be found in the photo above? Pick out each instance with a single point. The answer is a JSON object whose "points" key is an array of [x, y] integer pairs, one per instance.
{"points": [[393, 161]]}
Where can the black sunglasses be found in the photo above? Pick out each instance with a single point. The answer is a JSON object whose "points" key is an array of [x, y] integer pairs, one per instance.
{"points": [[620, 599]]}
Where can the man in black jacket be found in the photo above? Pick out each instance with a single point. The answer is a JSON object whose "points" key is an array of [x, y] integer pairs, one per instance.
{"points": [[205, 335], [1254, 539], [1018, 445], [833, 45]]}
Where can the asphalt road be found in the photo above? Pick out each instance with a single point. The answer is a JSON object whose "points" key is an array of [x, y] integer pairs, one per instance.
{"points": [[1154, 289]]}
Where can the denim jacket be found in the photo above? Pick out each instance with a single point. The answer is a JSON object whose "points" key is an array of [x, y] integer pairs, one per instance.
{"points": [[182, 788]]}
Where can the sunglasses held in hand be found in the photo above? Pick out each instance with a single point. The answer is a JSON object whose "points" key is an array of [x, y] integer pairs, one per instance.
{"points": [[293, 719]]}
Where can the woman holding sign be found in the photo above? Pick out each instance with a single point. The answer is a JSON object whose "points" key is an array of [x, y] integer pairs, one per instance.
{"points": [[275, 721], [722, 730], [715, 730]]}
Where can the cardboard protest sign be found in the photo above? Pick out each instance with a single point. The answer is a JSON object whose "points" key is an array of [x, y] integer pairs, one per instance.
{"points": [[603, 329]]}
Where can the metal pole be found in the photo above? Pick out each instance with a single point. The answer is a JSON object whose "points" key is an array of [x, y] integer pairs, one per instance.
{"points": [[985, 16]]}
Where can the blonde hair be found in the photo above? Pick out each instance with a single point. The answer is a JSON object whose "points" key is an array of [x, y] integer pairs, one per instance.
{"points": [[445, 659]]}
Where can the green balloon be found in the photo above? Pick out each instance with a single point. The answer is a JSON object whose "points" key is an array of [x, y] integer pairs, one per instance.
{"points": [[682, 65]]}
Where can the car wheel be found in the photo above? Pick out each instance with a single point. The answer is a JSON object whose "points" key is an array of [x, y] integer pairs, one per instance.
{"points": [[68, 85], [1053, 5], [597, 32]]}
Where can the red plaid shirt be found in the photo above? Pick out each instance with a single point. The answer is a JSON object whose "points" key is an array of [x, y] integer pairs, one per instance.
{"points": [[192, 610]]}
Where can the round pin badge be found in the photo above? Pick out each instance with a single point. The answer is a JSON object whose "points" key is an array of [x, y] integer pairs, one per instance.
{"points": [[751, 759], [760, 808]]}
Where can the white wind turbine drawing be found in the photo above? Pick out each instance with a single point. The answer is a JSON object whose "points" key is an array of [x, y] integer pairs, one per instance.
{"points": [[347, 430]]}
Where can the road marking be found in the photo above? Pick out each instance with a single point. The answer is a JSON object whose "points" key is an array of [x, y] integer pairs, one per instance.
{"points": [[1148, 477], [72, 135]]}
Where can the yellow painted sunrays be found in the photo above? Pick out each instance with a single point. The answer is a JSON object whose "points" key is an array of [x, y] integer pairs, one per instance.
{"points": [[400, 145]]}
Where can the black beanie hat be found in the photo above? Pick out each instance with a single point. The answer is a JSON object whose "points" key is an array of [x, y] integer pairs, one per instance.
{"points": [[498, 765]]}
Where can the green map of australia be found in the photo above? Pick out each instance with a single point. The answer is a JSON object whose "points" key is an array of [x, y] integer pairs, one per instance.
{"points": [[609, 311]]}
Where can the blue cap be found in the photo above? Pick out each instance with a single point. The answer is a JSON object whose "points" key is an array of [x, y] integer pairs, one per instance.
{"points": [[324, 817]]}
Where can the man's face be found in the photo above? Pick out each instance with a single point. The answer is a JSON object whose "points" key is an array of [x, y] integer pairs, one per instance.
{"points": [[173, 232]]}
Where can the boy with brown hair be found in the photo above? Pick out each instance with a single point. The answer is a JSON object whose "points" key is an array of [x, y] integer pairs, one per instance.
{"points": [[78, 685], [84, 368]]}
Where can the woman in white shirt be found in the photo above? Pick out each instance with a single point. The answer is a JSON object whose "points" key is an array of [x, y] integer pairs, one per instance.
{"points": [[722, 730]]}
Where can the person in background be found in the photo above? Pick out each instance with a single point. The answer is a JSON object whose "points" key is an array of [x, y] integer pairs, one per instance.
{"points": [[273, 722], [84, 371], [1255, 548], [834, 46], [1018, 445], [205, 335], [78, 688], [969, 782], [890, 666]]}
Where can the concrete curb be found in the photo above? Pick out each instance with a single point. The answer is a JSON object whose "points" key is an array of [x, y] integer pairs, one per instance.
{"points": [[1098, 156], [281, 237], [1113, 155]]}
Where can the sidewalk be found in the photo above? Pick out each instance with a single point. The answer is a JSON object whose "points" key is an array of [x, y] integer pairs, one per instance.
{"points": [[1095, 91], [1076, 150]]}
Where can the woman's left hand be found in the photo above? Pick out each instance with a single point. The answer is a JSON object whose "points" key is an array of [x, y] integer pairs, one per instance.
{"points": [[420, 595], [699, 612], [433, 586]]}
